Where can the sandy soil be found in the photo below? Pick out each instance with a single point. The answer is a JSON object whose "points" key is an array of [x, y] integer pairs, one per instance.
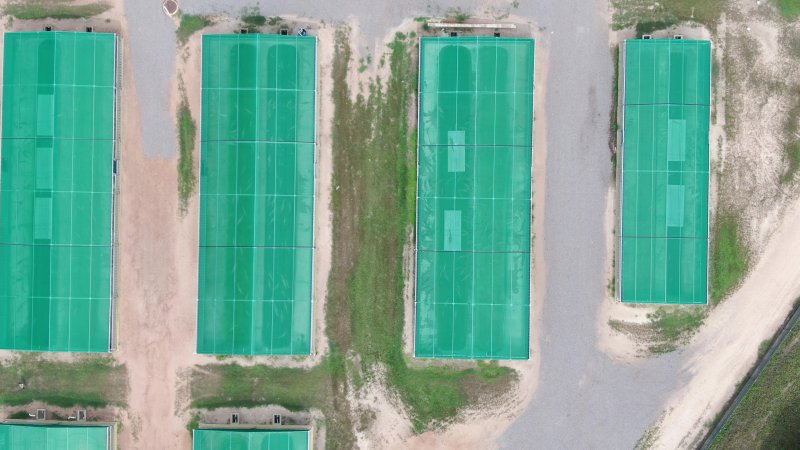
{"points": [[157, 288], [753, 162], [754, 159], [158, 274], [722, 353]]}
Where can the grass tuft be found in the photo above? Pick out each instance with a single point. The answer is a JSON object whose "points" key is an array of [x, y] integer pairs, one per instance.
{"points": [[256, 20], [194, 423], [53, 9], [189, 25], [187, 129], [19, 415]]}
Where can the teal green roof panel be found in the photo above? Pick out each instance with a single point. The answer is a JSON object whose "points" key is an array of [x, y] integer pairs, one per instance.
{"points": [[257, 194], [41, 437], [474, 198], [219, 439], [665, 172], [57, 191]]}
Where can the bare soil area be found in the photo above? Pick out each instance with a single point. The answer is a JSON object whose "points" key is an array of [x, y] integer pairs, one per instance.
{"points": [[158, 267], [727, 346], [752, 96]]}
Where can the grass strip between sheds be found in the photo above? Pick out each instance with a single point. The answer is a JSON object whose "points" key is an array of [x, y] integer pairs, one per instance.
{"points": [[729, 257], [187, 131], [767, 417], [374, 152], [791, 131], [53, 9], [374, 160], [90, 382], [647, 17]]}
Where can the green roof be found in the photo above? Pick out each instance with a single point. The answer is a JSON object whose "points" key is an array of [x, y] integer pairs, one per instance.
{"points": [[208, 439], [665, 171], [257, 194], [40, 437], [56, 191], [474, 198]]}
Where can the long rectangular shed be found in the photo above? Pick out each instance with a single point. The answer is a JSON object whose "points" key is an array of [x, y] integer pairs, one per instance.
{"points": [[244, 439], [257, 194], [57, 191], [54, 437], [665, 172], [474, 198]]}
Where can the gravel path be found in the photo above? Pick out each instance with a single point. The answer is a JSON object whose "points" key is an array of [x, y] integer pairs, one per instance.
{"points": [[584, 398], [152, 40]]}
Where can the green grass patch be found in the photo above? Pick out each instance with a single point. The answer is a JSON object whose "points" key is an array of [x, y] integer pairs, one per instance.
{"points": [[232, 385], [19, 415], [767, 416], [90, 382], [194, 423], [322, 387], [678, 324], [643, 28], [256, 20], [189, 25], [729, 256], [793, 161], [668, 328], [615, 102], [187, 129], [54, 9], [374, 159], [789, 9], [647, 16], [791, 133]]}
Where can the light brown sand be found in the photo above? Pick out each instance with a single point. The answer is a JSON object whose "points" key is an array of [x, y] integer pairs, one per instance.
{"points": [[727, 346]]}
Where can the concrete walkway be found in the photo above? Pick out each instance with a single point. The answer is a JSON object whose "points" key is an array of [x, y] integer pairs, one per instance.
{"points": [[152, 41]]}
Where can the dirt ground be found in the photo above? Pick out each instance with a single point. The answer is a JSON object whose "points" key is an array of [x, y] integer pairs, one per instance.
{"points": [[722, 352], [158, 288], [751, 156]]}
